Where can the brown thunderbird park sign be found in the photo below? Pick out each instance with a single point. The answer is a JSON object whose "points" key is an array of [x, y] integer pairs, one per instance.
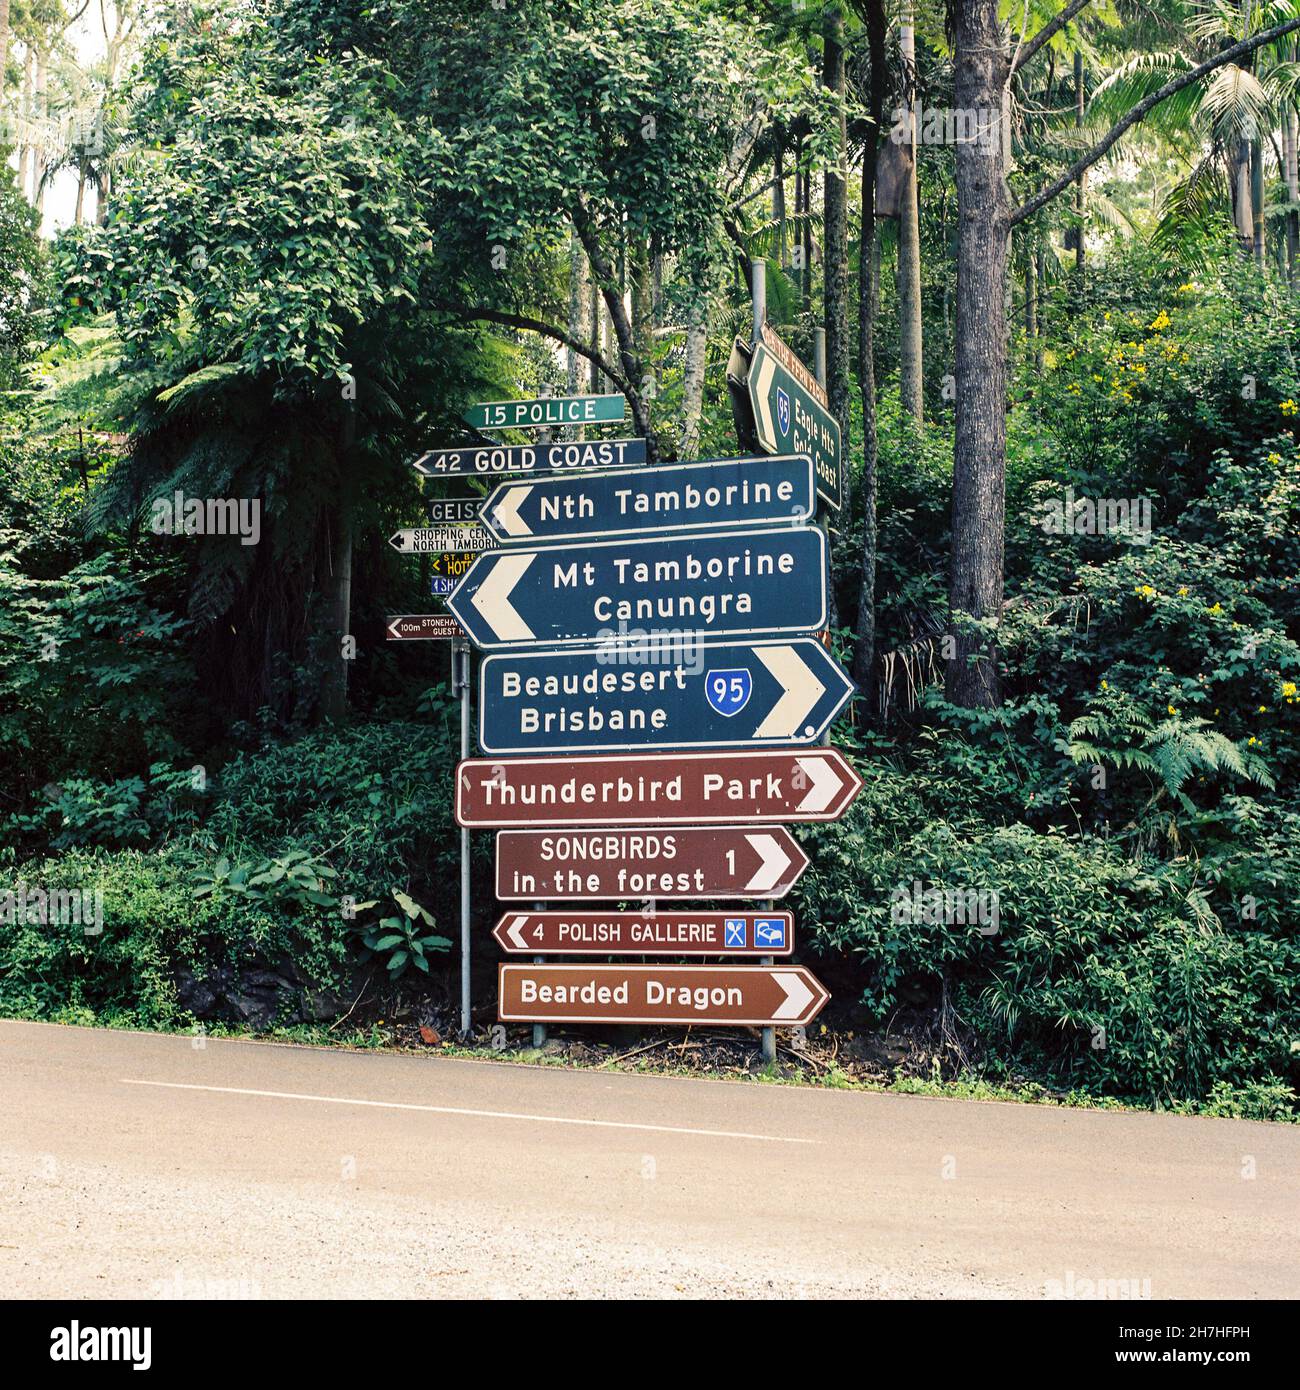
{"points": [[701, 862], [766, 785], [592, 933], [758, 995]]}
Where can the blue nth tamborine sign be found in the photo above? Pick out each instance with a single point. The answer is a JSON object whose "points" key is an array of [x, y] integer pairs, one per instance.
{"points": [[759, 582], [717, 495], [659, 695]]}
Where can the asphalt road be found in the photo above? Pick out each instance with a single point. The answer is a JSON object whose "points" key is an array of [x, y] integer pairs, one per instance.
{"points": [[141, 1166]]}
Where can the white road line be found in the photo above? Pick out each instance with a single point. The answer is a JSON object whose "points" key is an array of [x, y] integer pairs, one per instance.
{"points": [[480, 1114]]}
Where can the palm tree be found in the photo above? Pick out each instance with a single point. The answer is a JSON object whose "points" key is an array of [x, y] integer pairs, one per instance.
{"points": [[1224, 127]]}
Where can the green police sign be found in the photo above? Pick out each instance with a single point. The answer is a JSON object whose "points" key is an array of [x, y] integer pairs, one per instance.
{"points": [[546, 411], [788, 420]]}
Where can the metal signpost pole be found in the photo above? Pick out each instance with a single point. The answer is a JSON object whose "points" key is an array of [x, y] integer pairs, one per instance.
{"points": [[819, 369], [758, 294], [460, 666], [539, 1029]]}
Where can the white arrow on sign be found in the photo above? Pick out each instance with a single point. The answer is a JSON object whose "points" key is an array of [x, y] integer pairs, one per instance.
{"points": [[826, 784], [775, 862], [765, 425], [493, 598], [797, 994], [507, 513], [515, 932], [800, 691]]}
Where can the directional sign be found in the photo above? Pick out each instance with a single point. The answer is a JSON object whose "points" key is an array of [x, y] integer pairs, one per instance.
{"points": [[472, 460], [446, 570], [767, 785], [431, 540], [671, 694], [548, 410], [790, 420], [759, 582], [700, 862], [424, 627], [718, 495], [453, 511], [757, 995], [594, 933], [790, 361]]}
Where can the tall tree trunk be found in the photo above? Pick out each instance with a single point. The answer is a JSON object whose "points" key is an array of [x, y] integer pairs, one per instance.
{"points": [[778, 203], [864, 644], [1292, 175], [1081, 187], [979, 453], [1257, 200], [910, 359], [334, 687], [25, 116], [597, 376], [4, 41], [697, 341], [78, 216], [1242, 203], [42, 112], [611, 289], [1040, 279], [835, 254], [642, 299], [578, 297]]}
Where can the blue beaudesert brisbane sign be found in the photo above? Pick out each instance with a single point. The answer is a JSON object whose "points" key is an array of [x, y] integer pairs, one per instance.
{"points": [[688, 694], [735, 584], [715, 495]]}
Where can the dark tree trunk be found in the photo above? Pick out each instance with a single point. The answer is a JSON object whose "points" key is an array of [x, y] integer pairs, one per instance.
{"points": [[604, 274], [836, 251], [1081, 188], [978, 502], [864, 645]]}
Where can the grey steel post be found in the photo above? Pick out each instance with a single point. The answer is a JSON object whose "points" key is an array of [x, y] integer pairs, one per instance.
{"points": [[819, 369], [460, 666], [539, 1029], [758, 300], [758, 293], [769, 1034], [544, 436]]}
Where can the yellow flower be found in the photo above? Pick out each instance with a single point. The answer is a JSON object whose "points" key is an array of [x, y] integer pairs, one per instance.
{"points": [[1289, 407], [1252, 741], [1160, 322], [1144, 591], [1275, 458], [1105, 685], [1263, 709], [1171, 709], [1288, 688], [1182, 591], [1218, 608], [1188, 288]]}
